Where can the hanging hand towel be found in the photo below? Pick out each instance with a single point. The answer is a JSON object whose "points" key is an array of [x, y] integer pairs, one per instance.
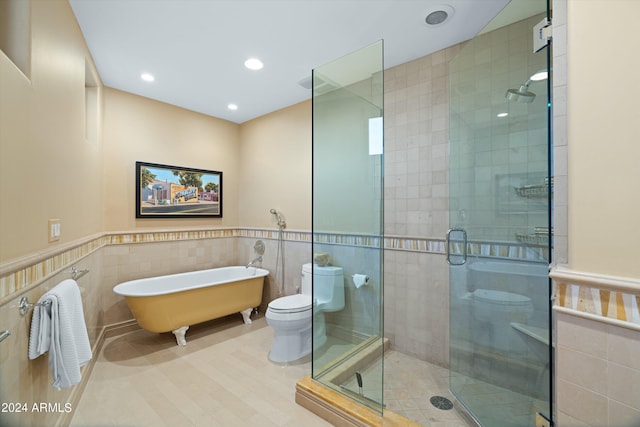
{"points": [[59, 327]]}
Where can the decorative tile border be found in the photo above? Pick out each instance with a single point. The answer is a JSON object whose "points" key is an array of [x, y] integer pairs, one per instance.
{"points": [[360, 240], [414, 244], [517, 251], [25, 273], [266, 233], [604, 298], [20, 275], [168, 236]]}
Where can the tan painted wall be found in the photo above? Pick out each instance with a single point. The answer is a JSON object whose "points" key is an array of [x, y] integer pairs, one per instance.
{"points": [[139, 129], [604, 136], [275, 164], [47, 169]]}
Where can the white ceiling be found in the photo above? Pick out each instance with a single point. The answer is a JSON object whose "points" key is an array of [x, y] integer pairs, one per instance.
{"points": [[196, 48]]}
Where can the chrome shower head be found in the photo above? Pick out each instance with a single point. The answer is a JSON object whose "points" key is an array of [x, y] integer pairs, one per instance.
{"points": [[279, 219], [521, 95]]}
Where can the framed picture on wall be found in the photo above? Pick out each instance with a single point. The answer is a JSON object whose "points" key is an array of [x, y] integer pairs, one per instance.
{"points": [[164, 191]]}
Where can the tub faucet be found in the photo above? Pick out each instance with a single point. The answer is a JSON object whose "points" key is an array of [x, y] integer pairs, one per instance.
{"points": [[251, 264]]}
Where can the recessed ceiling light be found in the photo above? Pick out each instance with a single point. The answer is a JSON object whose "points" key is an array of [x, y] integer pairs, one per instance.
{"points": [[502, 114], [253, 64], [147, 77], [540, 75], [232, 107]]}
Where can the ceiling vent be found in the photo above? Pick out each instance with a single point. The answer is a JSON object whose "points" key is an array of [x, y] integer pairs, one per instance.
{"points": [[439, 15]]}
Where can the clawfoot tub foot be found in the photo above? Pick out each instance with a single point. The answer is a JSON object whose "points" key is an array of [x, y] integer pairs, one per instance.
{"points": [[246, 315], [180, 335]]}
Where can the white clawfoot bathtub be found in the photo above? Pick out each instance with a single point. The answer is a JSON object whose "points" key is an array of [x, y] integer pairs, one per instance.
{"points": [[174, 302]]}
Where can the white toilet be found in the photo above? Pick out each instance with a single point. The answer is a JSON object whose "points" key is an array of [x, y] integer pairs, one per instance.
{"points": [[290, 316]]}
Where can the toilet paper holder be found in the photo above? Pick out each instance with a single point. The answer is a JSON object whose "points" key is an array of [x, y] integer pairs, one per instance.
{"points": [[360, 280]]}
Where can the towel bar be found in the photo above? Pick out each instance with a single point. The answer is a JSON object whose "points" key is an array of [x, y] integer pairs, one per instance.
{"points": [[24, 305], [76, 274]]}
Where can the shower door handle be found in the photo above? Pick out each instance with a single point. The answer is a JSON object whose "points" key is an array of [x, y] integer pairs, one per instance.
{"points": [[457, 237]]}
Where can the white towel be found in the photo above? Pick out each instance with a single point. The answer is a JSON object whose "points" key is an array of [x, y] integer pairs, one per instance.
{"points": [[58, 326]]}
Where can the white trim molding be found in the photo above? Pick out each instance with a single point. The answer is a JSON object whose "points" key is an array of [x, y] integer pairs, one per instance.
{"points": [[610, 299]]}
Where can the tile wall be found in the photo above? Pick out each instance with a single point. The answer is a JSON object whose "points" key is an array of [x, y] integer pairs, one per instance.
{"points": [[416, 200], [111, 259], [598, 373], [597, 341], [27, 381]]}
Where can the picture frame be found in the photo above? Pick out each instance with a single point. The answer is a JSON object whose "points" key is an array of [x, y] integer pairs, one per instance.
{"points": [[164, 191]]}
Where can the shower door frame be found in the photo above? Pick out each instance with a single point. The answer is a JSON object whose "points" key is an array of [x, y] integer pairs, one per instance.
{"points": [[462, 243], [348, 224]]}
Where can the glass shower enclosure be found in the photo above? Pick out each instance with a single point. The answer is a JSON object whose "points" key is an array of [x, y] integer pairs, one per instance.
{"points": [[499, 244], [347, 222]]}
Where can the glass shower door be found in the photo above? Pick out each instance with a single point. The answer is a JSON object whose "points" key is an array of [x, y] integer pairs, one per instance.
{"points": [[499, 243], [347, 222]]}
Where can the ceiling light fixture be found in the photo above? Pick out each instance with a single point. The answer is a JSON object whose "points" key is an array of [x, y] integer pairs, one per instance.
{"points": [[253, 64], [540, 75], [439, 15], [502, 114], [232, 107], [147, 77]]}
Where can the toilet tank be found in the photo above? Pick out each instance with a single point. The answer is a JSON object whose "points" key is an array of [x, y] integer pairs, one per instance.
{"points": [[326, 284], [306, 286]]}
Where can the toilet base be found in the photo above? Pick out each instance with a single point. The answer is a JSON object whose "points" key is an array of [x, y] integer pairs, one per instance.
{"points": [[291, 338], [289, 347]]}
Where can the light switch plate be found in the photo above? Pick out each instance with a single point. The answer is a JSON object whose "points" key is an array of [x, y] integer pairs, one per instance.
{"points": [[54, 230]]}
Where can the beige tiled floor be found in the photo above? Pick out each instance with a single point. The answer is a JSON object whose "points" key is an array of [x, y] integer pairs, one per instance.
{"points": [[221, 378], [224, 378]]}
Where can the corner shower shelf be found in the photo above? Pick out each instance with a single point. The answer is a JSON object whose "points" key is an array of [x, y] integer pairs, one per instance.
{"points": [[533, 239], [535, 191]]}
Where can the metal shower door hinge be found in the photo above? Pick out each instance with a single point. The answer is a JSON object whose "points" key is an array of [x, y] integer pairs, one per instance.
{"points": [[541, 34]]}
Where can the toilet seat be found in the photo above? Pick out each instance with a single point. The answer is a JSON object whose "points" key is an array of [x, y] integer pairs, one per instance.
{"points": [[290, 304]]}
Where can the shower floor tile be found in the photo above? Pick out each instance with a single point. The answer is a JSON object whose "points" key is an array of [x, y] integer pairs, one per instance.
{"points": [[408, 384]]}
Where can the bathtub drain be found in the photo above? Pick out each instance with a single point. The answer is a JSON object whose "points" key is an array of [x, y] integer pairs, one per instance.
{"points": [[441, 402]]}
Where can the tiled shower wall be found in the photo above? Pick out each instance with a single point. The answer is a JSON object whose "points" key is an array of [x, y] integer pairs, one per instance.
{"points": [[416, 197], [416, 200]]}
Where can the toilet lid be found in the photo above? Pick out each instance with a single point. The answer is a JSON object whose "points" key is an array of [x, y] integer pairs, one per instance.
{"points": [[291, 303], [487, 295]]}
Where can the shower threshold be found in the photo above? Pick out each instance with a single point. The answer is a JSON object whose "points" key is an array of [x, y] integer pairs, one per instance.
{"points": [[329, 396], [338, 409], [360, 397]]}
